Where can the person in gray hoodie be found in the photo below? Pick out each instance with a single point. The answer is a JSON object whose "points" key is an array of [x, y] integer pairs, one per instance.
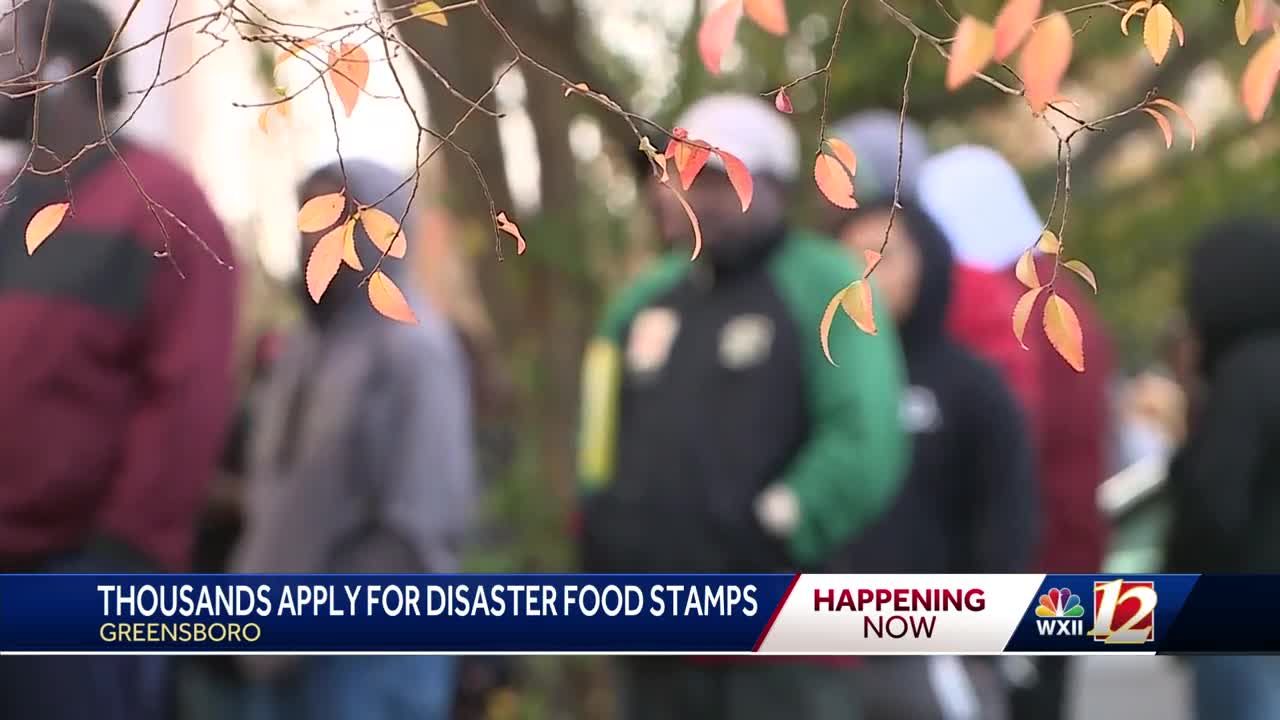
{"points": [[361, 461]]}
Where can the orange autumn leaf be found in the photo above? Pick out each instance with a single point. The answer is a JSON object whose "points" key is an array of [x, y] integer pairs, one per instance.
{"points": [[349, 254], [824, 327], [1163, 123], [1026, 270], [770, 15], [295, 49], [1244, 22], [1062, 327], [1175, 107], [871, 259], [716, 34], [43, 223], [1012, 25], [974, 44], [690, 159], [348, 71], [1078, 267], [1022, 313], [739, 177], [321, 211], [1049, 243], [857, 305], [1157, 32], [1258, 83], [510, 228], [322, 266], [693, 221], [834, 170], [1133, 10], [386, 298], [384, 231], [1044, 60], [264, 118]]}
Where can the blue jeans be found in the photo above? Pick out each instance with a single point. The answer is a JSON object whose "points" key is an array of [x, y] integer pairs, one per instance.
{"points": [[359, 688], [1237, 687]]}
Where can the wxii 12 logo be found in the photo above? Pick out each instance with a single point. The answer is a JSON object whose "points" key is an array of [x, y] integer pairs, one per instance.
{"points": [[1124, 612]]}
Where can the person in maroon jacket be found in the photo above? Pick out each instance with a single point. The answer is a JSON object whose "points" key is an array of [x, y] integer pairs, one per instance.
{"points": [[978, 200], [115, 352]]}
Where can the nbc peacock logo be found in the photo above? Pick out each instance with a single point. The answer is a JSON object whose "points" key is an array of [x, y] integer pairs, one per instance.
{"points": [[1060, 613]]}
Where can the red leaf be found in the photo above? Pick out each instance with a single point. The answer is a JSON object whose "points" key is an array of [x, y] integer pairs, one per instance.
{"points": [[739, 177], [348, 71], [872, 259], [770, 15], [1045, 59], [1012, 25], [386, 298], [510, 228], [1165, 127], [716, 33], [43, 223], [974, 43], [782, 101], [691, 157]]}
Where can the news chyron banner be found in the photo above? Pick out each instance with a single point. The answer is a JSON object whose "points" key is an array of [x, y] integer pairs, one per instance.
{"points": [[638, 614]]}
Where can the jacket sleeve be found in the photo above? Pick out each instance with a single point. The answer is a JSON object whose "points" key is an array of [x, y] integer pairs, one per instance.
{"points": [[174, 437], [1214, 474], [426, 458], [1001, 485], [852, 464]]}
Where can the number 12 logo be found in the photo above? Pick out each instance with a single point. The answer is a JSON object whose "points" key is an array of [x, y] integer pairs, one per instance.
{"points": [[1124, 612]]}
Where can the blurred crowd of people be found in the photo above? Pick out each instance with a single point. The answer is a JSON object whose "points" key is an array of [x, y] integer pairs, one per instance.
{"points": [[716, 436]]}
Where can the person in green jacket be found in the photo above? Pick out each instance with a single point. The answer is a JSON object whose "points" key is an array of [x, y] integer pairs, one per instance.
{"points": [[715, 435]]}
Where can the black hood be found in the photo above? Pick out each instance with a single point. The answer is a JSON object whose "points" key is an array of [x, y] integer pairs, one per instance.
{"points": [[1233, 285], [925, 323]]}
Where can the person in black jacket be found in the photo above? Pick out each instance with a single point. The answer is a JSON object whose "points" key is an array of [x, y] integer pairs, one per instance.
{"points": [[1226, 503], [969, 502]]}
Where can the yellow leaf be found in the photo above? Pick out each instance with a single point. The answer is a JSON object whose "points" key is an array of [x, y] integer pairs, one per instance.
{"points": [[824, 327], [384, 231], [857, 305], [770, 15], [1244, 22], [431, 12], [1165, 127], [1049, 243], [1175, 107], [1178, 32], [657, 159], [349, 254], [1062, 327], [577, 87], [387, 299], [1079, 268], [834, 170], [974, 44], [263, 118], [693, 220], [1026, 270], [1133, 10], [348, 71], [322, 266], [1045, 59], [320, 212], [43, 223], [1012, 25], [510, 228], [1157, 32], [1022, 313], [1258, 83]]}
